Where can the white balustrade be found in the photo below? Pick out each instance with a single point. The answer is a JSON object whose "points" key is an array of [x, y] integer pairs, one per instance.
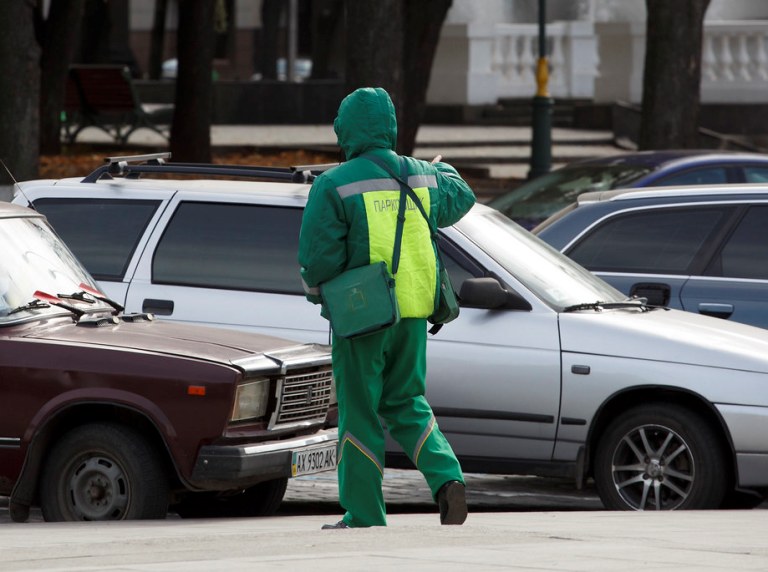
{"points": [[480, 64], [516, 52], [735, 62]]}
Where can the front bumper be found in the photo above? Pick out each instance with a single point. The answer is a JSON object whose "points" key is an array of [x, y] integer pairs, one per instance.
{"points": [[239, 466]]}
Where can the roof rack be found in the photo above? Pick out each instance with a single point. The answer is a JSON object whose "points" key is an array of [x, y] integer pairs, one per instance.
{"points": [[132, 166]]}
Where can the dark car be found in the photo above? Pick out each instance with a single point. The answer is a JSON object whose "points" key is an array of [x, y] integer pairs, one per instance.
{"points": [[534, 201], [107, 416], [700, 249]]}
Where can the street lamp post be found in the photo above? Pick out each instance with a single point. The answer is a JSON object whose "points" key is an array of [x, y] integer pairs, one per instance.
{"points": [[541, 145]]}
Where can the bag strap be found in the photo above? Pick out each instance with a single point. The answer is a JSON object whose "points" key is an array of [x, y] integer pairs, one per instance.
{"points": [[398, 233]]}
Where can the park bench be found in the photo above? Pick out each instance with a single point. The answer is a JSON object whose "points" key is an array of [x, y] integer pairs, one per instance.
{"points": [[104, 96]]}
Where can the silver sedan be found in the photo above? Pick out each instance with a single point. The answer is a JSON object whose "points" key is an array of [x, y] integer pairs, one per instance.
{"points": [[551, 371]]}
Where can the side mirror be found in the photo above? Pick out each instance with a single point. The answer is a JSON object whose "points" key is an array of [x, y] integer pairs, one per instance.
{"points": [[488, 293]]}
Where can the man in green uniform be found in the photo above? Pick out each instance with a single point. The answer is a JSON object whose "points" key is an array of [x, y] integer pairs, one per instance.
{"points": [[350, 221]]}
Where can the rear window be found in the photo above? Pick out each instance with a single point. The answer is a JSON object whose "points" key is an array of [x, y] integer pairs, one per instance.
{"points": [[102, 233], [231, 246], [756, 174], [745, 254], [703, 176]]}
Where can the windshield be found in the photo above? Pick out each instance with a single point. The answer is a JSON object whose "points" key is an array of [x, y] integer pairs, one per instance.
{"points": [[33, 258], [534, 201], [551, 276]]}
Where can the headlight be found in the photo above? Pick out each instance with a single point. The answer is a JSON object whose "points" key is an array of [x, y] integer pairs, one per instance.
{"points": [[251, 400]]}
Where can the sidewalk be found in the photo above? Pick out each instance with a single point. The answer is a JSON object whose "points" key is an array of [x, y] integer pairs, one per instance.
{"points": [[515, 523], [683, 541]]}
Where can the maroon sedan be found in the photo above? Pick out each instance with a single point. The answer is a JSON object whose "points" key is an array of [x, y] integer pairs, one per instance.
{"points": [[107, 416]]}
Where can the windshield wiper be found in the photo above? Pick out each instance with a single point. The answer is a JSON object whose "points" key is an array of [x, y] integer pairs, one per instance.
{"points": [[641, 303], [79, 296], [34, 304], [56, 301], [98, 295], [90, 296], [45, 300]]}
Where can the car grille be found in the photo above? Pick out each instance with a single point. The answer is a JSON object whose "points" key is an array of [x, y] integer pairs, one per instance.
{"points": [[303, 397]]}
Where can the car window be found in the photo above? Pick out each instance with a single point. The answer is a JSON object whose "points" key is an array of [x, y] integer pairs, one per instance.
{"points": [[102, 233], [652, 241], [756, 174], [707, 176], [230, 246], [745, 254]]}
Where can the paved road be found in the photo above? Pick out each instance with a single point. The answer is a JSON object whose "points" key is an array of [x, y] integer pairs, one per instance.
{"points": [[407, 492]]}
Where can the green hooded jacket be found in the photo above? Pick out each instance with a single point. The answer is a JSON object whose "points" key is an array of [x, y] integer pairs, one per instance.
{"points": [[351, 213]]}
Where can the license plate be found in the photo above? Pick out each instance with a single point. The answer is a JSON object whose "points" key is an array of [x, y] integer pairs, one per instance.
{"points": [[314, 460]]}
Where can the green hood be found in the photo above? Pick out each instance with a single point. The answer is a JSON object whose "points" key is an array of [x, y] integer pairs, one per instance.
{"points": [[366, 120]]}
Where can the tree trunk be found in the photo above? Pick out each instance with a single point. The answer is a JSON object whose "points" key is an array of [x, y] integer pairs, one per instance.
{"points": [[327, 21], [191, 128], [392, 44], [59, 34], [19, 99], [157, 39], [96, 29], [424, 20], [374, 44], [271, 13], [672, 74]]}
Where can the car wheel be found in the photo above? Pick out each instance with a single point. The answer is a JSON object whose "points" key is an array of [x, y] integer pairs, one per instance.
{"points": [[264, 499], [103, 472], [260, 500], [659, 457]]}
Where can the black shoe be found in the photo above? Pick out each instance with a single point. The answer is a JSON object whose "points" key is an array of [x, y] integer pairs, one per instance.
{"points": [[340, 524], [452, 503]]}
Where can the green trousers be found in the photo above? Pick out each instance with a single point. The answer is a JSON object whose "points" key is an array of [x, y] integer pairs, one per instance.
{"points": [[382, 377]]}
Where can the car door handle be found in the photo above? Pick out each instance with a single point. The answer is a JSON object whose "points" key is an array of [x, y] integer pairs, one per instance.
{"points": [[716, 310], [158, 307]]}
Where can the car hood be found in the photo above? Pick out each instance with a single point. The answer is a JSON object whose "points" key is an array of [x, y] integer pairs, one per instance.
{"points": [[666, 335], [211, 344]]}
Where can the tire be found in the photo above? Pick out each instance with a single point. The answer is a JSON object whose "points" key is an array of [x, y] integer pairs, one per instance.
{"points": [[103, 472], [260, 500], [660, 457], [264, 499], [737, 500]]}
